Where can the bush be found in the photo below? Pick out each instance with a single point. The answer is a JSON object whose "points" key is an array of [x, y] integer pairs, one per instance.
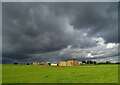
{"points": [[83, 61], [49, 63], [108, 62], [28, 64], [15, 63], [88, 62], [94, 62], [91, 62]]}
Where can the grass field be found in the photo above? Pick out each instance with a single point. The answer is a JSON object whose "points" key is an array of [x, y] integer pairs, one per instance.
{"points": [[48, 74]]}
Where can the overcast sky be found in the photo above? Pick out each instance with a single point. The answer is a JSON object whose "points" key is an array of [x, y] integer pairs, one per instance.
{"points": [[59, 31]]}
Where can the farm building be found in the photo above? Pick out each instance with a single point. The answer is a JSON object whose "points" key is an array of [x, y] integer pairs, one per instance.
{"points": [[62, 63], [72, 62], [39, 63], [53, 64], [35, 63]]}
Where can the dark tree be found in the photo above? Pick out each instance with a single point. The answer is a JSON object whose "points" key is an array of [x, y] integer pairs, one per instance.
{"points": [[94, 62], [91, 62], [28, 64], [108, 62], [49, 63], [15, 63], [83, 61], [88, 62], [117, 63]]}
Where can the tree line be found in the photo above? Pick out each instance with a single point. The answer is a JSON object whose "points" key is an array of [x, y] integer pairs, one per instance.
{"points": [[83, 62], [94, 62]]}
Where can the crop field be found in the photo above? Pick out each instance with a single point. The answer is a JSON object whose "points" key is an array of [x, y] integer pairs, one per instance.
{"points": [[52, 74]]}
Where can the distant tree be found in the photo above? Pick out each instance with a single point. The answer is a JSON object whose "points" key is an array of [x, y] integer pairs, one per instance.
{"points": [[102, 63], [28, 64], [88, 62], [83, 61], [49, 63], [117, 63], [91, 62], [15, 63], [94, 62], [108, 62]]}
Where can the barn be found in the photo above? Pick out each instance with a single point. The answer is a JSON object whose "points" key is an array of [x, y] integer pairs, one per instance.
{"points": [[72, 62], [62, 63]]}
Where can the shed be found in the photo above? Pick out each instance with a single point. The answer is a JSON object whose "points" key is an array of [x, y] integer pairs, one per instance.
{"points": [[53, 64]]}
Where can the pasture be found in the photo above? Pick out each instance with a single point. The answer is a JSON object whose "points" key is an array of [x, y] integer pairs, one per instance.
{"points": [[52, 74]]}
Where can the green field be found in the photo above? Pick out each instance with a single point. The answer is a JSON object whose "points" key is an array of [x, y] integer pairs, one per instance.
{"points": [[49, 74]]}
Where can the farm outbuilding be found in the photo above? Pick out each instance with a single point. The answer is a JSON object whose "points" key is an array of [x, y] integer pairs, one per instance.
{"points": [[52, 64], [35, 63], [62, 63], [68, 63], [72, 63]]}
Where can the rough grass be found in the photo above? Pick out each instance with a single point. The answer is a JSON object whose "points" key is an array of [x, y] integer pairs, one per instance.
{"points": [[48, 74], [0, 73]]}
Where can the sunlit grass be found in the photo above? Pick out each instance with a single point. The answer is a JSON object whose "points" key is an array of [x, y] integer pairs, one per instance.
{"points": [[48, 74]]}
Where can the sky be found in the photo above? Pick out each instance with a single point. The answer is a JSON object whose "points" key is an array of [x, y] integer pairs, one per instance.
{"points": [[51, 31]]}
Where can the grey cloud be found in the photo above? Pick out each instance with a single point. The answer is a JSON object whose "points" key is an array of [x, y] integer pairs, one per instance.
{"points": [[99, 18], [35, 28], [102, 51]]}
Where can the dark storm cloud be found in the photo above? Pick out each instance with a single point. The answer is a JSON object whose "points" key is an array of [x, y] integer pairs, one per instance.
{"points": [[31, 28], [28, 29], [99, 18], [0, 32]]}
